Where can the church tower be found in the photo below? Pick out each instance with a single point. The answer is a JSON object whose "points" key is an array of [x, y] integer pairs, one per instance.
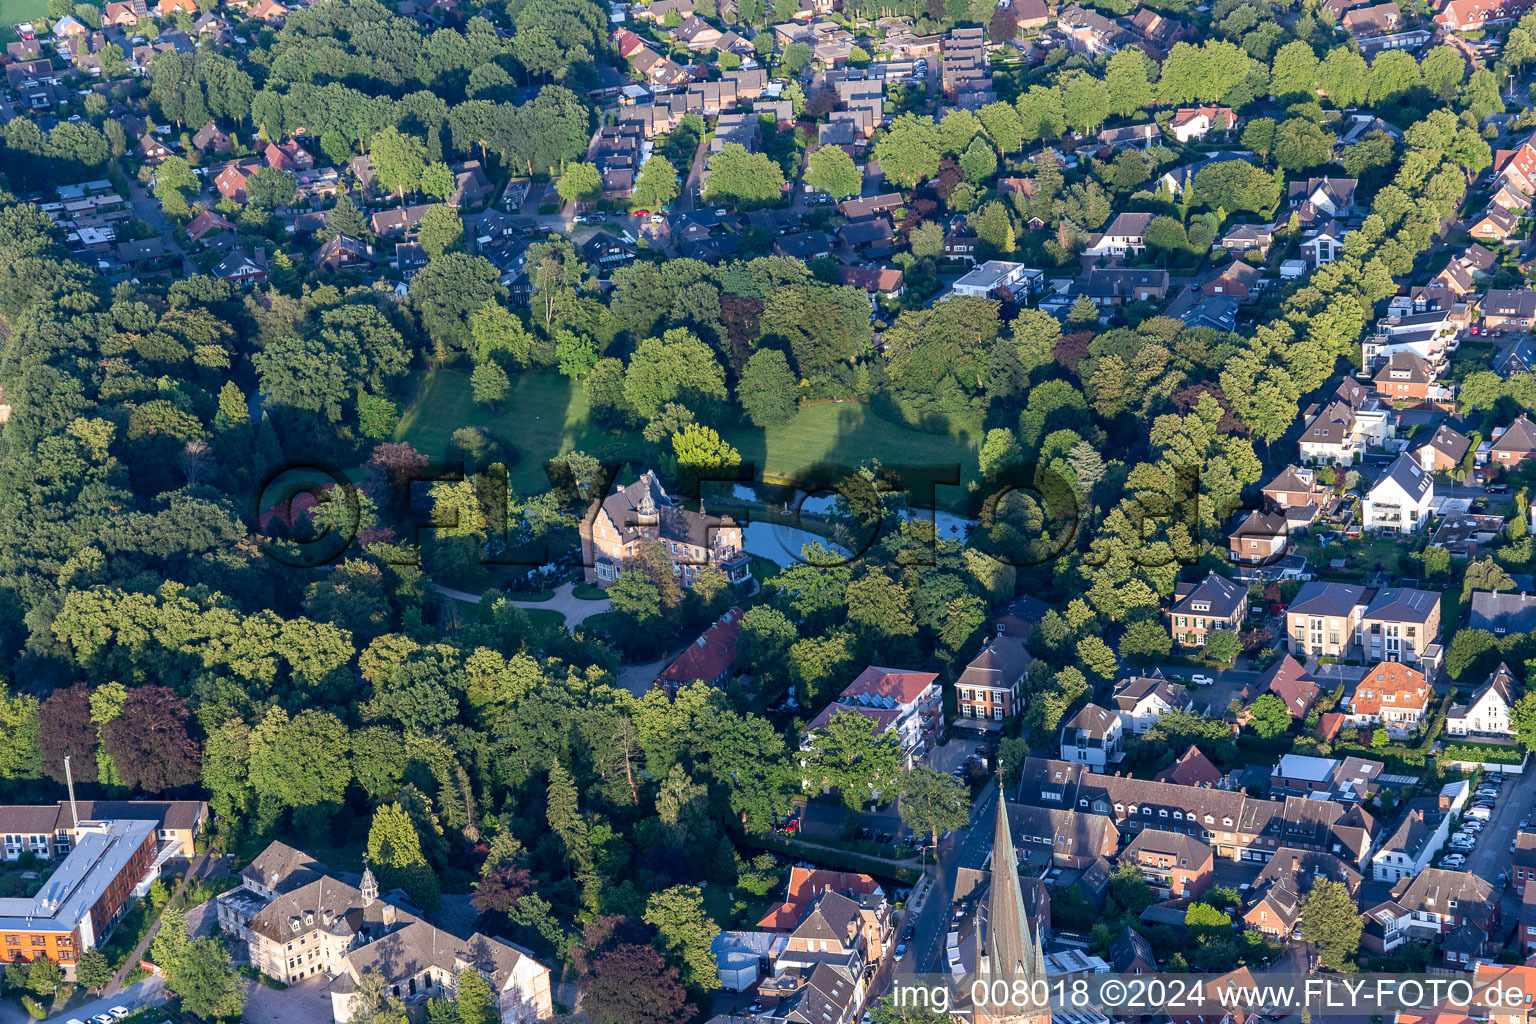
{"points": [[370, 887], [1006, 949]]}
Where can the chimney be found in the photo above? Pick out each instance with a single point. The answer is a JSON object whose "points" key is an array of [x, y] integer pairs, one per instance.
{"points": [[69, 779]]}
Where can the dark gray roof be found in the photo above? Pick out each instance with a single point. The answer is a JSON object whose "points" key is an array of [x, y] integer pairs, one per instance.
{"points": [[1327, 599], [1503, 612], [1223, 595], [1410, 476], [1402, 604]]}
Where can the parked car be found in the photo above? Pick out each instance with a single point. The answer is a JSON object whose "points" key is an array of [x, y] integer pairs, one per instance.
{"points": [[119, 1012], [1455, 860], [1482, 813], [1201, 680], [901, 950]]}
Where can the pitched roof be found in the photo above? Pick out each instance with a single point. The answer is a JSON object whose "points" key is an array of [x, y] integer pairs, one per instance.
{"points": [[1451, 442], [1433, 889], [1520, 437], [1406, 687], [1293, 478], [709, 656], [1401, 604], [1298, 868], [1333, 599], [1132, 691], [1187, 849], [1129, 947], [1409, 476], [1501, 683], [1502, 612], [1222, 596], [1092, 720], [1001, 663], [1292, 683], [1192, 768]]}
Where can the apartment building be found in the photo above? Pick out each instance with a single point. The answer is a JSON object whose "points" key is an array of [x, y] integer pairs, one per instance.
{"points": [[1343, 620], [987, 692], [1175, 865], [908, 704]]}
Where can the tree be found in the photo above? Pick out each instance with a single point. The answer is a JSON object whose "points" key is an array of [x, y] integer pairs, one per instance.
{"points": [[271, 187], [1294, 71], [149, 742], [767, 390], [1127, 81], [1145, 642], [927, 240], [66, 728], [440, 230], [489, 383], [656, 186], [684, 934], [846, 754], [93, 970], [206, 981], [833, 171], [1301, 144], [737, 176], [1096, 657], [174, 185], [398, 161], [580, 183], [1330, 919], [1223, 646], [473, 998], [632, 984], [1003, 126], [345, 219], [979, 161], [933, 802], [1085, 100], [1269, 716], [448, 291], [910, 150], [676, 367], [438, 182]]}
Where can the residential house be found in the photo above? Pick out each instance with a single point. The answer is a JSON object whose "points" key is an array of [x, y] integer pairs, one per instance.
{"points": [[270, 11], [805, 888], [1385, 927], [150, 149], [1135, 136], [1495, 225], [1465, 534], [1502, 613], [1341, 430], [1323, 244], [643, 513], [210, 138], [871, 206], [119, 14], [1407, 377], [1238, 827], [1258, 539], [1295, 487], [1292, 683], [1141, 700], [1131, 953], [1509, 307], [1514, 444], [1486, 712], [1400, 501], [1191, 769], [1092, 737], [288, 156], [1300, 870], [697, 34], [887, 282], [1089, 32], [988, 689], [873, 235], [396, 222], [299, 920], [999, 279], [1440, 901], [1202, 608], [1302, 775], [1244, 238], [241, 269], [1070, 839], [1444, 451], [1391, 695], [1477, 15], [231, 181], [605, 251], [1115, 286], [909, 704], [1376, 20], [1413, 846], [1275, 910], [1236, 280], [804, 245], [205, 223], [166, 8], [1175, 865], [343, 252], [1124, 235], [1323, 198], [1190, 123]]}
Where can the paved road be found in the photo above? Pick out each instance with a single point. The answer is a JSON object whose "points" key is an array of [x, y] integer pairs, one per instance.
{"points": [[200, 866], [1492, 853], [148, 992], [147, 208], [574, 610], [968, 847]]}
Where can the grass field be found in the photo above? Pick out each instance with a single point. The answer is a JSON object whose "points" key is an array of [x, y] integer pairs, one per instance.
{"points": [[546, 415], [13, 11]]}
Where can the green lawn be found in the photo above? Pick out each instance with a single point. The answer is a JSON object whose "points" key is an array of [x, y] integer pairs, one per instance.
{"points": [[546, 415], [13, 11]]}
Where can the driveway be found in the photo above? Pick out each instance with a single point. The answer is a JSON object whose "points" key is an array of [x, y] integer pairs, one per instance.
{"points": [[308, 1002], [574, 610]]}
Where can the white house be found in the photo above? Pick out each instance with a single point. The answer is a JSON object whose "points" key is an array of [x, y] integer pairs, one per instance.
{"points": [[1487, 712], [1092, 737], [1400, 501], [1197, 122], [1141, 700], [995, 276], [1126, 234], [1413, 846]]}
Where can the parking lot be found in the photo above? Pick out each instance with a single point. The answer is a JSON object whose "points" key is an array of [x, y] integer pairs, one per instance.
{"points": [[148, 992], [1491, 855]]}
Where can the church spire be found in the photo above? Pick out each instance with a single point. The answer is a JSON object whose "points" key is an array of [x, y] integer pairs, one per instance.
{"points": [[370, 886], [1011, 952]]}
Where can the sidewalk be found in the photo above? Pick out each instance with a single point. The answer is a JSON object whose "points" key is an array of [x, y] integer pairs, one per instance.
{"points": [[194, 870]]}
